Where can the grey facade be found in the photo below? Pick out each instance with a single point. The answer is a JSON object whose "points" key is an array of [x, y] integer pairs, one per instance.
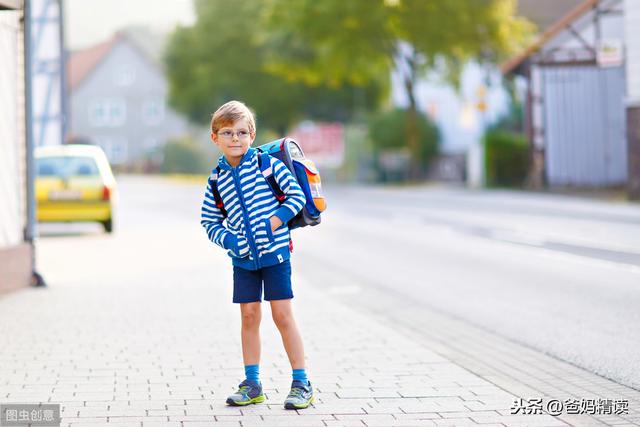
{"points": [[120, 104], [632, 35], [575, 79], [16, 247], [586, 142]]}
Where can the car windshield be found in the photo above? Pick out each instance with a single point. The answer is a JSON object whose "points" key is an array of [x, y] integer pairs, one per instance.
{"points": [[65, 166]]}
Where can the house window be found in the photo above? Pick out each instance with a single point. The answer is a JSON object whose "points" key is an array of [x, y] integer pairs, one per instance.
{"points": [[97, 114], [151, 144], [117, 112], [153, 112], [107, 112], [114, 147]]}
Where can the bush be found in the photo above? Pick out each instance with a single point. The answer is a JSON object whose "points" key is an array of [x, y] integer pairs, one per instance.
{"points": [[506, 157], [184, 156], [388, 133]]}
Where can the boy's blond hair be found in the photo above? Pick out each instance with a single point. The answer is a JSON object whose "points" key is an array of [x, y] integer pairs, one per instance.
{"points": [[230, 113]]}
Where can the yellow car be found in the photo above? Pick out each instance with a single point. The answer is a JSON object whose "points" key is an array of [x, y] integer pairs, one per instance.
{"points": [[74, 183]]}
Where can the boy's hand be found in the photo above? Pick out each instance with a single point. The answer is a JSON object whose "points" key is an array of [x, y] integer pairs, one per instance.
{"points": [[275, 223]]}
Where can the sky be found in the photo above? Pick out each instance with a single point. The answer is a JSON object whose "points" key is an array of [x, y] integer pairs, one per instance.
{"points": [[88, 22]]}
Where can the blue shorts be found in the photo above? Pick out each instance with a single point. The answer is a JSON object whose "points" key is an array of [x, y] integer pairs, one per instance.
{"points": [[247, 284]]}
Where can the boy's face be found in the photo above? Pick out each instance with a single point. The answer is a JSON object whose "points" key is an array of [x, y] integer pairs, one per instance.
{"points": [[234, 140]]}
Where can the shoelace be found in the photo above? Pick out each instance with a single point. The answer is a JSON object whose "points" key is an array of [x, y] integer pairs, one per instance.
{"points": [[296, 392]]}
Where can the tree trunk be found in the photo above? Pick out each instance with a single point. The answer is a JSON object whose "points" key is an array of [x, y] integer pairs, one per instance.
{"points": [[415, 163]]}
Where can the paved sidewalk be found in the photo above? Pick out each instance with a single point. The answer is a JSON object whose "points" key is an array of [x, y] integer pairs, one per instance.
{"points": [[137, 334]]}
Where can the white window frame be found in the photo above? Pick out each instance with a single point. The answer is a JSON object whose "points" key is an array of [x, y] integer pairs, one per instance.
{"points": [[153, 111], [113, 112]]}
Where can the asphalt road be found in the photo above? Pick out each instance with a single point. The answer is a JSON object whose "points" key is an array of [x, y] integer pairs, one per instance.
{"points": [[558, 274]]}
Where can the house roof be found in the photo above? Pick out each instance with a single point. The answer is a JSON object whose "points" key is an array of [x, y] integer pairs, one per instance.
{"points": [[553, 30], [544, 13], [81, 63]]}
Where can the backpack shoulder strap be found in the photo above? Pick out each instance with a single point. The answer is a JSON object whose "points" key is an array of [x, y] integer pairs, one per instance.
{"points": [[264, 162], [213, 182]]}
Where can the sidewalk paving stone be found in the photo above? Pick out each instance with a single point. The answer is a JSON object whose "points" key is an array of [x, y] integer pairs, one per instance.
{"points": [[161, 346]]}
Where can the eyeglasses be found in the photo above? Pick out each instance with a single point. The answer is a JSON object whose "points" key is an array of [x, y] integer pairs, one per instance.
{"points": [[228, 134]]}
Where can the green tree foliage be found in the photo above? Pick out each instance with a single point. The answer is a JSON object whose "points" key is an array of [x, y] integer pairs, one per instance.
{"points": [[388, 132], [183, 156], [358, 41], [507, 158], [224, 56]]}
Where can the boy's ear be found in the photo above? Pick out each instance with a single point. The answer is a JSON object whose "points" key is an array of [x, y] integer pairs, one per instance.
{"points": [[214, 138]]}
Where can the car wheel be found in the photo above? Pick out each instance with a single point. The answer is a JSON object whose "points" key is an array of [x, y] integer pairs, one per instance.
{"points": [[108, 225]]}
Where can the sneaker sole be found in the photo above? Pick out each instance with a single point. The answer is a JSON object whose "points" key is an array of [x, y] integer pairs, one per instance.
{"points": [[294, 406], [258, 399]]}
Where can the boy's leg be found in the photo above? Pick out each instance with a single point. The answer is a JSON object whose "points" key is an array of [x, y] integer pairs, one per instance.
{"points": [[286, 324], [301, 394], [251, 315], [277, 288], [250, 390], [247, 291]]}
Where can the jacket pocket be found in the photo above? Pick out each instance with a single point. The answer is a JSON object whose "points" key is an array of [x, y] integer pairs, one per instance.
{"points": [[240, 248], [263, 236], [267, 226]]}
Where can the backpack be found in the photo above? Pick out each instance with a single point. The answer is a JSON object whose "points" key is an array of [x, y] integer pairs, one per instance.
{"points": [[304, 172]]}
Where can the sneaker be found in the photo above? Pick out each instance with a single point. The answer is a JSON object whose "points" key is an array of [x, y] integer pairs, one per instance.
{"points": [[300, 396], [248, 392]]}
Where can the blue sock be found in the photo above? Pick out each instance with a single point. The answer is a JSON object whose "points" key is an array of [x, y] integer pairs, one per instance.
{"points": [[252, 372], [300, 375]]}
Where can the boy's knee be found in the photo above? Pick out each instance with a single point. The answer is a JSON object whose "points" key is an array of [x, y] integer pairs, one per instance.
{"points": [[251, 316], [282, 319]]}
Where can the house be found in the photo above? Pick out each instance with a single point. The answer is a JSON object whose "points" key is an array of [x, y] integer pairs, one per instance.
{"points": [[576, 87], [118, 97], [463, 115], [632, 44]]}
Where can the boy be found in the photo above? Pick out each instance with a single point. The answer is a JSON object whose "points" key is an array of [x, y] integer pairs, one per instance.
{"points": [[256, 237]]}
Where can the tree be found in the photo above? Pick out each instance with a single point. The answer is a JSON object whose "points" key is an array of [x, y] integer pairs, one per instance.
{"points": [[223, 57], [359, 41], [183, 156], [388, 131]]}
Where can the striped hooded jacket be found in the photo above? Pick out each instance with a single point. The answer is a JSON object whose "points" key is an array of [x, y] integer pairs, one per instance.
{"points": [[250, 202]]}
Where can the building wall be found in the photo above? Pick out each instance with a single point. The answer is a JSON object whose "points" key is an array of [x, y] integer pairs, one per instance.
{"points": [[632, 29], [122, 106], [611, 26], [584, 125], [578, 107], [12, 154], [15, 254]]}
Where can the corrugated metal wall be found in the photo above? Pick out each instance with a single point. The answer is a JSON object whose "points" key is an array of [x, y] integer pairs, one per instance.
{"points": [[12, 146], [584, 125], [632, 48]]}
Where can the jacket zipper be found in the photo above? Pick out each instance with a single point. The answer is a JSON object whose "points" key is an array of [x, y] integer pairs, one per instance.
{"points": [[247, 224]]}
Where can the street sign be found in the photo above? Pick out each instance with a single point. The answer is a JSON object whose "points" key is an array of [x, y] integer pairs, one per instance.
{"points": [[322, 142], [610, 53]]}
